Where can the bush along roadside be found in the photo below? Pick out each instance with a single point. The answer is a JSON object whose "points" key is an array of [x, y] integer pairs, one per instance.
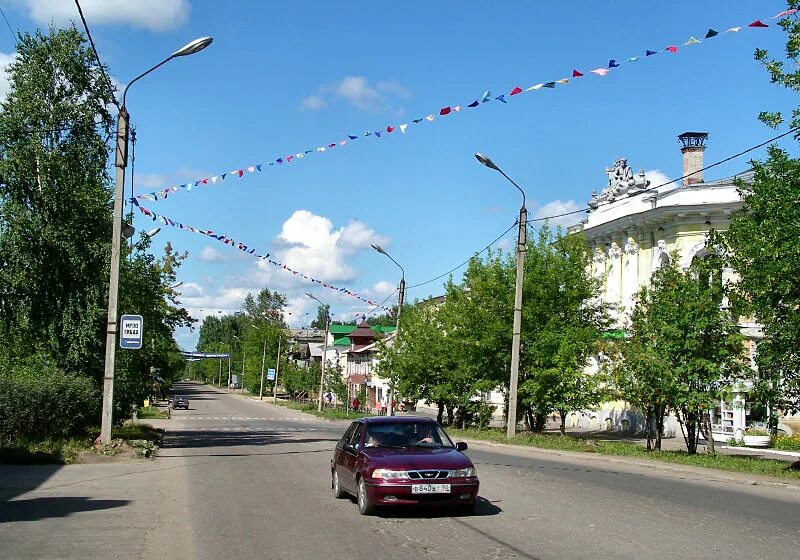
{"points": [[731, 463], [787, 443], [327, 412]]}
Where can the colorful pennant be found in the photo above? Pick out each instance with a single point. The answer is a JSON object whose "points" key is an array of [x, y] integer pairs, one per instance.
{"points": [[446, 110], [225, 240]]}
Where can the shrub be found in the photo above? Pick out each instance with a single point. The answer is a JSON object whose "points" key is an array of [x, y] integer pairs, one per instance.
{"points": [[787, 443], [39, 403]]}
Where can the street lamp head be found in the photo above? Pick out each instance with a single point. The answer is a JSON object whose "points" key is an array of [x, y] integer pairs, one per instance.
{"points": [[309, 295], [152, 232], [195, 46], [378, 248], [127, 230], [485, 160]]}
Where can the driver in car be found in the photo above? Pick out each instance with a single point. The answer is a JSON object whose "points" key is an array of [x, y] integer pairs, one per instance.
{"points": [[374, 439], [425, 435]]}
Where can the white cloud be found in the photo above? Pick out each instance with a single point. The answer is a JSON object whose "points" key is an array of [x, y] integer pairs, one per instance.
{"points": [[310, 244], [5, 86], [155, 15], [506, 243], [150, 180], [357, 92], [657, 178], [557, 207], [212, 255]]}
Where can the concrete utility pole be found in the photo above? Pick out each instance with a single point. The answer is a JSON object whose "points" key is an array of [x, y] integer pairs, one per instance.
{"points": [[277, 366], [522, 237], [120, 162], [380, 249], [324, 349], [263, 359]]}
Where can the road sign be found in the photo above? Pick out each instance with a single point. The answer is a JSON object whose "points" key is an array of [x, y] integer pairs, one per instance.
{"points": [[131, 331], [270, 374]]}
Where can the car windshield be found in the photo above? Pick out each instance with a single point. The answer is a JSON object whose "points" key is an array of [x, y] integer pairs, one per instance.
{"points": [[407, 434]]}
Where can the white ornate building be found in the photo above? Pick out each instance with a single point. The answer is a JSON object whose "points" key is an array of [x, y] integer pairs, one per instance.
{"points": [[633, 227]]}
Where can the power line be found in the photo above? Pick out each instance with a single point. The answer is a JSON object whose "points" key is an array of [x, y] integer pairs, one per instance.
{"points": [[715, 164], [380, 305], [466, 261], [14, 35], [97, 56], [529, 222]]}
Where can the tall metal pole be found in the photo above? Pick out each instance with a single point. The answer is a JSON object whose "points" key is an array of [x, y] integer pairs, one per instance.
{"points": [[106, 420], [219, 376], [244, 359], [324, 356], [277, 366], [263, 359], [511, 429], [230, 352]]}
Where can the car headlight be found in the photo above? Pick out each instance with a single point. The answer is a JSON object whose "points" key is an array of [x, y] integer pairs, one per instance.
{"points": [[463, 473], [388, 474]]}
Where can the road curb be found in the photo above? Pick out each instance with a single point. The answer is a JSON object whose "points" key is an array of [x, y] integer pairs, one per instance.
{"points": [[728, 476]]}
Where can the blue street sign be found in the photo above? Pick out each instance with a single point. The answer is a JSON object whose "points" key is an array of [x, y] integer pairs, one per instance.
{"points": [[131, 330], [271, 374]]}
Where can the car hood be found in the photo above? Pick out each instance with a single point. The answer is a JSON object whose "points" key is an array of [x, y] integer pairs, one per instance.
{"points": [[418, 458]]}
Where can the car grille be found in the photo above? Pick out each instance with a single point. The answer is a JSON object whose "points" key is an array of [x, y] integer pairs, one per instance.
{"points": [[427, 475]]}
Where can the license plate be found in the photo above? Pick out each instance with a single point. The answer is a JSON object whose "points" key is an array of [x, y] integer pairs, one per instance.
{"points": [[430, 488]]}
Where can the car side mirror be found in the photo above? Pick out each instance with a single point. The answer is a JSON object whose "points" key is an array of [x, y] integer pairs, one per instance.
{"points": [[461, 446], [349, 447]]}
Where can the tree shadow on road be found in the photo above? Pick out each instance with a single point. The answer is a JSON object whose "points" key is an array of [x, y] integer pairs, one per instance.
{"points": [[36, 509], [193, 439]]}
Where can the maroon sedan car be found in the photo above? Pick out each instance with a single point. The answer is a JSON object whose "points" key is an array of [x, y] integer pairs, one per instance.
{"points": [[390, 460]]}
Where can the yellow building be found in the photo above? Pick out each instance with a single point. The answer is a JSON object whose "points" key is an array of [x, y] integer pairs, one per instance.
{"points": [[632, 228]]}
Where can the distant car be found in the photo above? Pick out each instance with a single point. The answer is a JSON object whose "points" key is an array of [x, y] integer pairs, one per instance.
{"points": [[391, 461], [234, 386], [180, 401]]}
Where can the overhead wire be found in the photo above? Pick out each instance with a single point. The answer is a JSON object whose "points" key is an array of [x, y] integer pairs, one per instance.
{"points": [[14, 35], [381, 303], [97, 56], [715, 164], [529, 222], [498, 238]]}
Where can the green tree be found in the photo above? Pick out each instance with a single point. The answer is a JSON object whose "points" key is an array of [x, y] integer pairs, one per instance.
{"points": [[681, 330], [55, 211], [323, 315], [784, 71], [761, 246]]}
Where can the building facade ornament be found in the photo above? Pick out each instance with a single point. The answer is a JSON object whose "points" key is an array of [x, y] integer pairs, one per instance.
{"points": [[631, 248], [614, 252], [621, 181]]}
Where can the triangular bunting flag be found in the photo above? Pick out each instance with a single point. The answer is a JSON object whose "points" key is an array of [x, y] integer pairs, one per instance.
{"points": [[223, 176], [757, 23], [672, 49], [784, 13], [389, 128], [562, 81], [534, 87], [258, 167], [733, 29], [457, 108], [691, 41], [485, 97], [367, 133], [378, 133], [632, 59], [613, 64], [214, 179], [515, 91], [474, 103], [351, 137], [576, 74], [550, 85], [417, 121], [600, 71], [711, 33], [650, 53], [501, 98], [429, 118], [444, 111], [250, 169], [403, 128]]}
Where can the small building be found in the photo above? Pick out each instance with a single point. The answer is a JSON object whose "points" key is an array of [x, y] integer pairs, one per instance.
{"points": [[358, 358]]}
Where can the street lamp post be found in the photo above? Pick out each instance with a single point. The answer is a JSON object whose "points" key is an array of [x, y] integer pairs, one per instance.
{"points": [[277, 367], [121, 161], [511, 428], [324, 349], [402, 296], [230, 358]]}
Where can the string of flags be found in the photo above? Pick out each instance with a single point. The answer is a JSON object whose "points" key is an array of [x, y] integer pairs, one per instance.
{"points": [[487, 97], [224, 239]]}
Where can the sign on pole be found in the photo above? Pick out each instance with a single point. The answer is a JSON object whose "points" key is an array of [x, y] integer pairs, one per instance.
{"points": [[131, 332], [270, 374]]}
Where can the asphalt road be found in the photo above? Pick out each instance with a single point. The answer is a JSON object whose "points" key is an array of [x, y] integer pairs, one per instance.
{"points": [[242, 479]]}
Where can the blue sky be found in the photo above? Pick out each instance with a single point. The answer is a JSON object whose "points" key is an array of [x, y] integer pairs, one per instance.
{"points": [[282, 79]]}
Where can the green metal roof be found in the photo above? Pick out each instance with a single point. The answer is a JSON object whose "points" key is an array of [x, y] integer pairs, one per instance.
{"points": [[383, 329], [342, 329], [343, 341]]}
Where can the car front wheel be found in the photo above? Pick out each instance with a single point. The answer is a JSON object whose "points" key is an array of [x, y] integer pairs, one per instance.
{"points": [[338, 492], [365, 507]]}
